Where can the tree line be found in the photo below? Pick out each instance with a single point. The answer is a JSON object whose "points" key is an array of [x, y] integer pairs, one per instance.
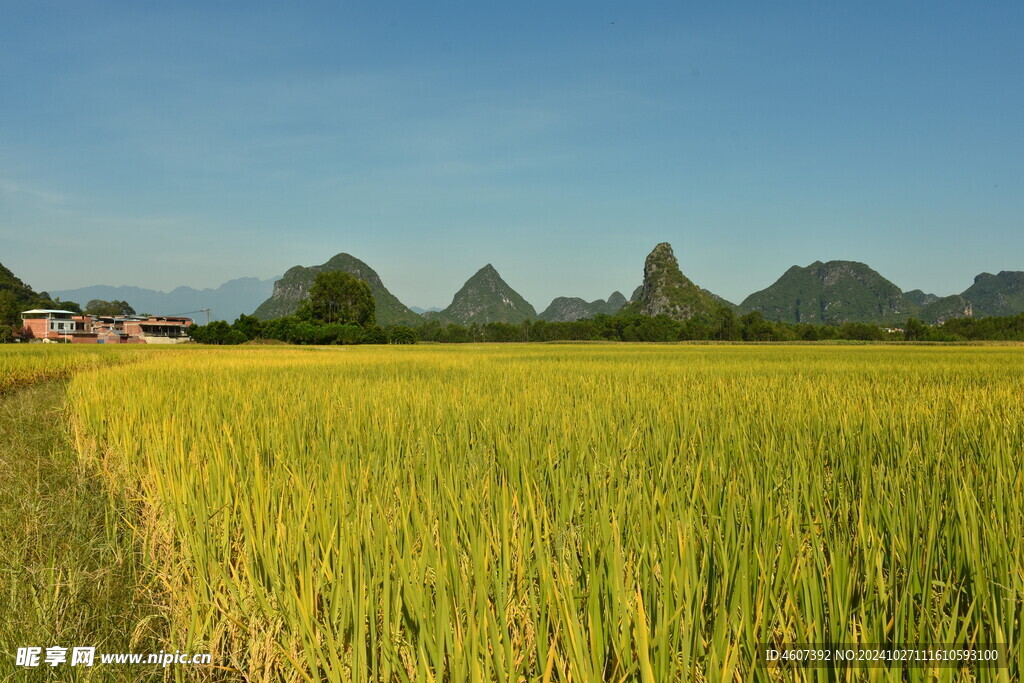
{"points": [[723, 325], [752, 327]]}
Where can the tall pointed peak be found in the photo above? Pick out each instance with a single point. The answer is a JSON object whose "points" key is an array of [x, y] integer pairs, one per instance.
{"points": [[486, 297], [488, 271], [667, 291], [616, 300]]}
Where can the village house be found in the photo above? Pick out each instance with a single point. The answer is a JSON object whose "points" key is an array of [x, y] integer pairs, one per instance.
{"points": [[54, 325]]}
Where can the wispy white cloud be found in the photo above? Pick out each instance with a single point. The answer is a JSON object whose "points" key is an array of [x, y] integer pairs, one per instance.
{"points": [[13, 189]]}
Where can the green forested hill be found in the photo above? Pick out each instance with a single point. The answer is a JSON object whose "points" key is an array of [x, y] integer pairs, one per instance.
{"points": [[1001, 294], [486, 298], [292, 289], [569, 308], [833, 292], [16, 296], [837, 292]]}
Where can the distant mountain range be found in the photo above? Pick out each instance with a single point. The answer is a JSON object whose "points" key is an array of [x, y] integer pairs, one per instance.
{"points": [[831, 292], [227, 302]]}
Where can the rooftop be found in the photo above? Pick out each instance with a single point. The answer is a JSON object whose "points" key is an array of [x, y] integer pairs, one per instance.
{"points": [[48, 311]]}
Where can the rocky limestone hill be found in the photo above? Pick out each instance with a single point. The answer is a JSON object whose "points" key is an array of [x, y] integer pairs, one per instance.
{"points": [[570, 308], [919, 298], [719, 300], [948, 307], [1001, 294], [616, 300], [834, 292], [667, 291], [847, 291], [292, 289], [485, 298]]}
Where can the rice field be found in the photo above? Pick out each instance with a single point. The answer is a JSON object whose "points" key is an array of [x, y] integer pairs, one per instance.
{"points": [[21, 366], [569, 512]]}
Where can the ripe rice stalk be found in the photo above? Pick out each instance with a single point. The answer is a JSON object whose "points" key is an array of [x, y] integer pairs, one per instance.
{"points": [[568, 512]]}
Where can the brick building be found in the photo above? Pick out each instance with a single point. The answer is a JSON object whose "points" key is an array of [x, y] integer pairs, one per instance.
{"points": [[54, 325], [45, 323]]}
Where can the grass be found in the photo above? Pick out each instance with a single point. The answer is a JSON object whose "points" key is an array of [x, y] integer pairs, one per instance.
{"points": [[22, 365], [70, 571]]}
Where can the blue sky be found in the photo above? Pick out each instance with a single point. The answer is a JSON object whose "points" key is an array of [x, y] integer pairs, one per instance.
{"points": [[192, 143]]}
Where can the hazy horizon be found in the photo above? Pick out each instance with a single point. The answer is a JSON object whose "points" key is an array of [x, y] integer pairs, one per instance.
{"points": [[192, 144]]}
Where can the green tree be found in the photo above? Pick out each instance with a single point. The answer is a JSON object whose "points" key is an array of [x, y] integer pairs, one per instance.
{"points": [[374, 334], [495, 332], [348, 334], [454, 334], [10, 308], [281, 329], [915, 330], [429, 331], [756, 328], [402, 335], [109, 308], [338, 297], [217, 332], [249, 325], [861, 332], [67, 305]]}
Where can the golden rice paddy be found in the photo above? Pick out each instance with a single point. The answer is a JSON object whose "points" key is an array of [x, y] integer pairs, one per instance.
{"points": [[568, 512]]}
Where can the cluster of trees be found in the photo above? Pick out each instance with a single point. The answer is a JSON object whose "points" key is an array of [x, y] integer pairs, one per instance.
{"points": [[113, 308], [993, 328]]}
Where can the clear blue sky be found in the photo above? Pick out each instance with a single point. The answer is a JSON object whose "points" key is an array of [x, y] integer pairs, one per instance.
{"points": [[194, 142]]}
